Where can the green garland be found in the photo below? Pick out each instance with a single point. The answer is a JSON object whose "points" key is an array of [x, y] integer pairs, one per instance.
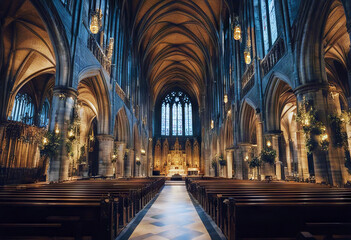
{"points": [[314, 130], [51, 146], [255, 163], [221, 161], [339, 135], [268, 155], [214, 164]]}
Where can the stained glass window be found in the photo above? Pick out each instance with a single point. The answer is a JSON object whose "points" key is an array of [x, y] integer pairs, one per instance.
{"points": [[272, 20], [163, 119], [177, 101], [167, 119], [180, 120], [23, 109], [44, 115], [174, 120], [264, 25], [190, 113]]}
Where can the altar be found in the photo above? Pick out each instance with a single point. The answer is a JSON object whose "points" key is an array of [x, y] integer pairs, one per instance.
{"points": [[176, 161]]}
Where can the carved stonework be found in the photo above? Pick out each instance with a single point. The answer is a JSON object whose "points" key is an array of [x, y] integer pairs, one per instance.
{"points": [[157, 160]]}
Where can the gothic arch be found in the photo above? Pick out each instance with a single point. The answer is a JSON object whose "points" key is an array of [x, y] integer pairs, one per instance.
{"points": [[94, 92], [247, 122], [278, 95], [122, 128]]}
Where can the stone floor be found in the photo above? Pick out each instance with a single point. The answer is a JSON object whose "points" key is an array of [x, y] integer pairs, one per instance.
{"points": [[173, 216]]}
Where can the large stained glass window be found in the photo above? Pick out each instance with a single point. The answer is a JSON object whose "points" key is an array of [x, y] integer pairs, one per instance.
{"points": [[23, 109], [269, 24], [177, 107]]}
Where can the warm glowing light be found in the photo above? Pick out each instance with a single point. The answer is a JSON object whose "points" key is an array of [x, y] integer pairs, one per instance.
{"points": [[45, 140], [95, 22], [113, 156], [237, 32], [225, 98], [212, 124], [57, 131], [247, 158], [342, 119], [110, 49], [229, 111], [324, 137], [137, 158], [142, 151], [247, 56], [269, 144], [307, 122], [70, 133]]}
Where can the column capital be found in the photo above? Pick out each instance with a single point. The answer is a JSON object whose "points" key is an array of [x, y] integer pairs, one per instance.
{"points": [[104, 137], [65, 92], [314, 86]]}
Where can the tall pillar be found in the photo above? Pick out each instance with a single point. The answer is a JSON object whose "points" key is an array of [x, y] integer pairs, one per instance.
{"points": [[230, 163], [277, 163], [105, 154], [129, 163], [244, 159], [302, 160], [150, 158], [238, 164], [120, 159], [62, 106]]}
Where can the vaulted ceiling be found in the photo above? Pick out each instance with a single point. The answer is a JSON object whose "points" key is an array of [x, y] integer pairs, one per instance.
{"points": [[176, 41]]}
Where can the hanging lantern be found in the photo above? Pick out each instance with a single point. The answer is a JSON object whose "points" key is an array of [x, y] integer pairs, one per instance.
{"points": [[236, 29], [247, 56], [110, 49], [247, 52], [95, 22], [212, 124], [237, 32], [225, 98]]}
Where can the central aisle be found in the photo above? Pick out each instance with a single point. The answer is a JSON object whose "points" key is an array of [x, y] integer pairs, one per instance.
{"points": [[172, 216]]}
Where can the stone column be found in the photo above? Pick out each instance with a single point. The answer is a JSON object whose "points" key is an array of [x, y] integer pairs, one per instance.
{"points": [[62, 106], [150, 159], [105, 154], [302, 155], [230, 163], [244, 159], [120, 159], [278, 163], [129, 163]]}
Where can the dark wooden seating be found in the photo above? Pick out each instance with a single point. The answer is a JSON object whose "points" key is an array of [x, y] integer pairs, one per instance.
{"points": [[276, 210], [95, 209]]}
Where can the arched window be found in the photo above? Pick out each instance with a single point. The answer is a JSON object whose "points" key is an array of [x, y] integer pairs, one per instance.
{"points": [[269, 24], [44, 115], [23, 109], [177, 107]]}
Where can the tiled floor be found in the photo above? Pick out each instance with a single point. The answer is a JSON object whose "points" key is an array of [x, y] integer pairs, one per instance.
{"points": [[172, 216]]}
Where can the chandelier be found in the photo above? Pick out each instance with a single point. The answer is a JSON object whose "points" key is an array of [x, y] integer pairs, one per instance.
{"points": [[236, 29], [96, 21]]}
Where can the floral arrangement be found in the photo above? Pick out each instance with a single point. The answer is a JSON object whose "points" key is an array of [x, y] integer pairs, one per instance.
{"points": [[268, 155], [214, 164], [314, 130]]}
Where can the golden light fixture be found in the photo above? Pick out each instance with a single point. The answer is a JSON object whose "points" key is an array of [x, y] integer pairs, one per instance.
{"points": [[247, 52], [57, 130], [114, 156], [70, 133], [269, 144], [324, 137], [225, 98], [142, 151], [307, 121], [236, 30], [137, 158], [247, 56], [45, 141], [247, 158], [95, 22], [110, 49], [212, 124]]}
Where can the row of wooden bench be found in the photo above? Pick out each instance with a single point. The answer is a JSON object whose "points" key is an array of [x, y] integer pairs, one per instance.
{"points": [[276, 210], [95, 209]]}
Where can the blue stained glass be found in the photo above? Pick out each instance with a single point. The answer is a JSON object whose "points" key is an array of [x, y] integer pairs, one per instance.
{"points": [[180, 120], [190, 112], [186, 119], [167, 119], [265, 25], [163, 119], [174, 120], [272, 20]]}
